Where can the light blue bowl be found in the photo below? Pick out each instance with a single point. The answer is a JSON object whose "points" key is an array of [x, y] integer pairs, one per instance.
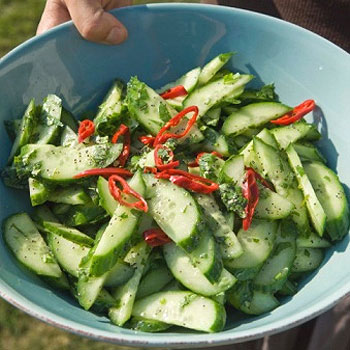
{"points": [[164, 42]]}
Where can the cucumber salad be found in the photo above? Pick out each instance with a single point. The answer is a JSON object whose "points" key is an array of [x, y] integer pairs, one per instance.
{"points": [[174, 207]]}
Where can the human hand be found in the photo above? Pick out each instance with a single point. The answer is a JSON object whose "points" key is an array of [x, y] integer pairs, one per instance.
{"points": [[89, 16]]}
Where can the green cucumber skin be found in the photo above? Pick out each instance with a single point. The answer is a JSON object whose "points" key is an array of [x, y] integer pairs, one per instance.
{"points": [[39, 193], [68, 119], [204, 97], [144, 325], [246, 299], [213, 66], [57, 243], [188, 243], [290, 134], [69, 233], [184, 300], [180, 265], [328, 188], [144, 105], [41, 161], [26, 130], [49, 124], [154, 281], [280, 260], [125, 295], [257, 118], [73, 195], [307, 259], [21, 225], [107, 201], [110, 111], [281, 175], [317, 215], [115, 242]]}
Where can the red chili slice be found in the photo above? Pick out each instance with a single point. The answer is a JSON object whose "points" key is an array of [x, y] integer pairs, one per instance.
{"points": [[103, 172], [159, 162], [117, 193], [262, 180], [251, 193], [123, 130], [188, 181], [147, 140], [162, 137], [296, 113], [195, 163], [175, 91], [86, 129], [155, 237]]}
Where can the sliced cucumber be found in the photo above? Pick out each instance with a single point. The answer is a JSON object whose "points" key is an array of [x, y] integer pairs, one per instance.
{"points": [[25, 131], [272, 206], [68, 119], [229, 245], [147, 107], [38, 192], [257, 243], [277, 267], [49, 125], [190, 276], [43, 213], [144, 325], [212, 117], [212, 67], [215, 141], [73, 195], [316, 212], [207, 256], [174, 210], [283, 179], [61, 164], [125, 294], [312, 240], [251, 301], [289, 288], [154, 281], [110, 111], [120, 273], [332, 197], [216, 91], [233, 170], [28, 246], [118, 233], [182, 308], [307, 259], [69, 138], [107, 201], [188, 81], [286, 135], [70, 233], [67, 253], [252, 116], [307, 151], [12, 128]]}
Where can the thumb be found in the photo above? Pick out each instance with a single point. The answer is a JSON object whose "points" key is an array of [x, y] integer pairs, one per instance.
{"points": [[94, 23]]}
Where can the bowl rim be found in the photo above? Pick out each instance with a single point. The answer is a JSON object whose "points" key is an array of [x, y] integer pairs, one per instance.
{"points": [[162, 339]]}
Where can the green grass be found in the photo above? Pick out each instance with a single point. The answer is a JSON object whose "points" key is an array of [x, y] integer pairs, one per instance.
{"points": [[18, 22], [22, 332]]}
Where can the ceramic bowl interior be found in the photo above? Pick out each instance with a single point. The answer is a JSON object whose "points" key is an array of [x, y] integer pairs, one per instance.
{"points": [[164, 42]]}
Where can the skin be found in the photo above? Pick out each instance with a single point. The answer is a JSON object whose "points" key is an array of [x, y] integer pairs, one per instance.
{"points": [[90, 17]]}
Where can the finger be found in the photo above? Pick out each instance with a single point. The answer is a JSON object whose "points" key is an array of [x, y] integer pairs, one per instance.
{"points": [[94, 23], [55, 13]]}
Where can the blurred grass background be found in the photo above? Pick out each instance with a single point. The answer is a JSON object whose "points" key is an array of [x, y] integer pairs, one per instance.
{"points": [[18, 22]]}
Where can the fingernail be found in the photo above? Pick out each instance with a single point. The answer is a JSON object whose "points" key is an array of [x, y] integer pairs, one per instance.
{"points": [[116, 36]]}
